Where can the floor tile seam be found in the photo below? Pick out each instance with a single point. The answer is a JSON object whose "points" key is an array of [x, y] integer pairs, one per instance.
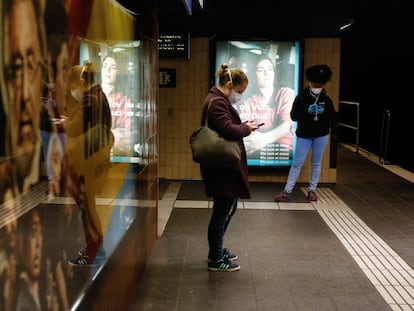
{"points": [[177, 193], [399, 291], [353, 240], [348, 219], [121, 202], [173, 190], [111, 201], [391, 276], [409, 307], [381, 261], [377, 277], [356, 249], [180, 282], [367, 265], [375, 242], [353, 235], [247, 205], [325, 196], [391, 296], [99, 201], [398, 296], [16, 207], [387, 296], [34, 196], [373, 262], [394, 278], [399, 171]]}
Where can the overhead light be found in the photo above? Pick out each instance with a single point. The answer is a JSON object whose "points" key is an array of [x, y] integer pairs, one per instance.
{"points": [[117, 50], [347, 25], [241, 45], [256, 51]]}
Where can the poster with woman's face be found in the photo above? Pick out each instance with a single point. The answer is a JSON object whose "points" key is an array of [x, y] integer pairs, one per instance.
{"points": [[272, 69], [118, 75]]}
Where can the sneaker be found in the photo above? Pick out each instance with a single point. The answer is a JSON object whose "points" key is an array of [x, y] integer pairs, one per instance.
{"points": [[85, 261], [81, 261], [222, 265], [82, 252], [229, 256], [100, 255], [312, 196], [282, 196]]}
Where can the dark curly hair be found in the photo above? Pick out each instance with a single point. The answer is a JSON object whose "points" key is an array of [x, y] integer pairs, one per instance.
{"points": [[319, 74]]}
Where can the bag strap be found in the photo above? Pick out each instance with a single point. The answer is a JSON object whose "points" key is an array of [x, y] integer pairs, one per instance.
{"points": [[208, 107]]}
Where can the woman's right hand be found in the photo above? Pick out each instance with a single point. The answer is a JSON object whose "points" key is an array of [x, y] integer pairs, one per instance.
{"points": [[252, 125]]}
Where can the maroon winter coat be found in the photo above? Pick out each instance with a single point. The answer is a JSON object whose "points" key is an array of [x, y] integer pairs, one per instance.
{"points": [[222, 117]]}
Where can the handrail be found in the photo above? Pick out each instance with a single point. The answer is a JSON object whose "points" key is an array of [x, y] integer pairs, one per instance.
{"points": [[385, 128], [356, 127]]}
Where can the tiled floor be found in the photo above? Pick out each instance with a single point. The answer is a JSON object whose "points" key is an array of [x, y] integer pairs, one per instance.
{"points": [[351, 250]]}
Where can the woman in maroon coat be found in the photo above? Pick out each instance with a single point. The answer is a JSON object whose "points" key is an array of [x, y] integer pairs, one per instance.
{"points": [[225, 185], [87, 153]]}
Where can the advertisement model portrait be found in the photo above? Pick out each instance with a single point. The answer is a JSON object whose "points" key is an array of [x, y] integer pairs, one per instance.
{"points": [[114, 83], [273, 71], [270, 105]]}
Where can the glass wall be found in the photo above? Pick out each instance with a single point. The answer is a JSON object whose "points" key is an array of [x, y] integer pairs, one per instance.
{"points": [[78, 162]]}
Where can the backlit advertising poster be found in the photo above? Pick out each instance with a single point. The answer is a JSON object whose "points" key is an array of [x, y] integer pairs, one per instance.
{"points": [[273, 70]]}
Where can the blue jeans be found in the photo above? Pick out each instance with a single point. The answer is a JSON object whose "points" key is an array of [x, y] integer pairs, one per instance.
{"points": [[303, 145], [223, 210]]}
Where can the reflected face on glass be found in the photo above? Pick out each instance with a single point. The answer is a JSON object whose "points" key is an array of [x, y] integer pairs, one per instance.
{"points": [[34, 241], [109, 71], [265, 73], [55, 157], [62, 72], [11, 236], [25, 84]]}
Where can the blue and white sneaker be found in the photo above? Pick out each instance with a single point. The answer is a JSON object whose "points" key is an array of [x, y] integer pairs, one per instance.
{"points": [[83, 260], [222, 266], [80, 261], [229, 256]]}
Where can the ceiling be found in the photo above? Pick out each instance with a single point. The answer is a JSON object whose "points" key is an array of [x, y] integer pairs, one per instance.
{"points": [[277, 18], [270, 19]]}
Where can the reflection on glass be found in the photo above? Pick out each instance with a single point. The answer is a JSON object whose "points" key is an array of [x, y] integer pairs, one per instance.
{"points": [[119, 76], [41, 227], [87, 157], [23, 63]]}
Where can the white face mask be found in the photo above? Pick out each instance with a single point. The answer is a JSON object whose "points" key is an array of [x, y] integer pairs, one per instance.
{"points": [[76, 94], [50, 85], [316, 90], [235, 97]]}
